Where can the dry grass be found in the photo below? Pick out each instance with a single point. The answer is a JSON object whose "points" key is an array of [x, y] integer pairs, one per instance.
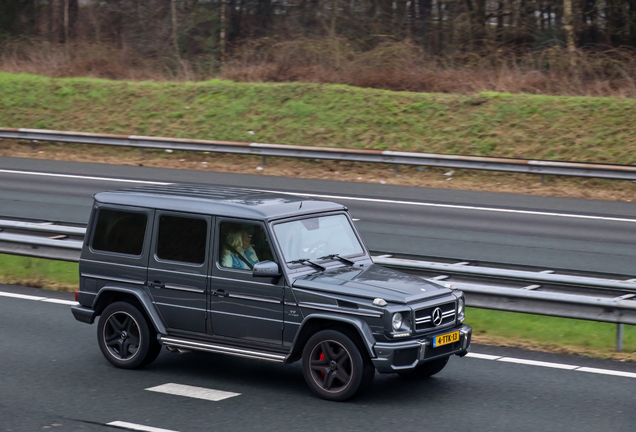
{"points": [[402, 66]]}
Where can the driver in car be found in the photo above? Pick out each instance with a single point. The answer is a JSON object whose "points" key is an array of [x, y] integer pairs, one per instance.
{"points": [[239, 252]]}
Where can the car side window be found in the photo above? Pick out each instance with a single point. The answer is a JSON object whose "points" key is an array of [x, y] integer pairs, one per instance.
{"points": [[119, 231], [182, 239], [241, 245]]}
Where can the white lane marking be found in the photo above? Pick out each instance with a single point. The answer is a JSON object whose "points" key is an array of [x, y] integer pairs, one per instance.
{"points": [[483, 356], [193, 392], [137, 427], [21, 296], [552, 365], [62, 302], [338, 197], [607, 372], [36, 298], [83, 177], [462, 207], [538, 363]]}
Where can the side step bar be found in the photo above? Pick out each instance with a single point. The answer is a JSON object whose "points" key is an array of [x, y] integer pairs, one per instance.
{"points": [[221, 349]]}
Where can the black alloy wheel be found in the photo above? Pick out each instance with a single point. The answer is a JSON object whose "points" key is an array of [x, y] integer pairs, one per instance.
{"points": [[125, 338], [334, 367], [427, 369]]}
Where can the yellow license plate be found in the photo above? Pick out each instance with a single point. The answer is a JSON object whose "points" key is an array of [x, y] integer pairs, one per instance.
{"points": [[446, 339]]}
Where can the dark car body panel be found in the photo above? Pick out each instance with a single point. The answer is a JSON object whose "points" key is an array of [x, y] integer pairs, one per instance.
{"points": [[371, 282], [208, 307]]}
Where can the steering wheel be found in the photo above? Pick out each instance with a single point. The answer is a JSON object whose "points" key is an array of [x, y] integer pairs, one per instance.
{"points": [[317, 248]]}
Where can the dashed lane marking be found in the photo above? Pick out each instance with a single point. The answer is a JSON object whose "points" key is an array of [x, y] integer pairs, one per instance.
{"points": [[43, 174], [137, 427], [552, 365], [38, 298], [607, 372], [483, 356], [538, 363], [193, 392]]}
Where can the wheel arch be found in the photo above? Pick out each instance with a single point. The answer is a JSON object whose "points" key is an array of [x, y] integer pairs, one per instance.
{"points": [[135, 296], [314, 323]]}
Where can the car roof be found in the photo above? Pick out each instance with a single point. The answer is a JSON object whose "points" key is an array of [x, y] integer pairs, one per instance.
{"points": [[218, 201]]}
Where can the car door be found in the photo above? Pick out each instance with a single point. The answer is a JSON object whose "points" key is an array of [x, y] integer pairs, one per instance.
{"points": [[243, 307], [177, 269]]}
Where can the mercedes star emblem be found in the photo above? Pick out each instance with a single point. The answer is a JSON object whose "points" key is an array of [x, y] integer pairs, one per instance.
{"points": [[437, 316]]}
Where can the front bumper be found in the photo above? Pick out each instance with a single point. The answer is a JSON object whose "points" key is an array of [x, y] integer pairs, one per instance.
{"points": [[405, 355]]}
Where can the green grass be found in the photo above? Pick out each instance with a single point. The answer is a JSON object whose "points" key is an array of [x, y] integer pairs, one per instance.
{"points": [[493, 124], [550, 332], [40, 273]]}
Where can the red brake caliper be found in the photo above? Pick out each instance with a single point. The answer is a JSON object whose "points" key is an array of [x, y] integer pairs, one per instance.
{"points": [[322, 357]]}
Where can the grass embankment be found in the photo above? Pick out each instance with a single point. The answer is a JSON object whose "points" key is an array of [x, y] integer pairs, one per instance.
{"points": [[490, 124], [491, 327]]}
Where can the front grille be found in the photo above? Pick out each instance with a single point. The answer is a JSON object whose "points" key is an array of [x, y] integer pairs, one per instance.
{"points": [[424, 317]]}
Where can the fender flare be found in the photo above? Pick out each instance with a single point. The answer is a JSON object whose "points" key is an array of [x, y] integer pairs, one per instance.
{"points": [[361, 326], [143, 298]]}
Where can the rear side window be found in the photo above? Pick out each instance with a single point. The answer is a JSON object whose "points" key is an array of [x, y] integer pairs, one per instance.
{"points": [[182, 239], [119, 232]]}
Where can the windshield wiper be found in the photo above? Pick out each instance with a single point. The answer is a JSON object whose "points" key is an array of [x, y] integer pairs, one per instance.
{"points": [[306, 261], [339, 258]]}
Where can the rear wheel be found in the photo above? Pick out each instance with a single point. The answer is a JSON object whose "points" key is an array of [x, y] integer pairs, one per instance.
{"points": [[125, 337], [334, 367], [426, 370]]}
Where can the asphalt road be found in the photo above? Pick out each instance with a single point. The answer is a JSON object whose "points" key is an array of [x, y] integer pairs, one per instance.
{"points": [[574, 234], [53, 376]]}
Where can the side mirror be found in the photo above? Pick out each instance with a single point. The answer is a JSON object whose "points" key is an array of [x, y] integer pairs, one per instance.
{"points": [[266, 269]]}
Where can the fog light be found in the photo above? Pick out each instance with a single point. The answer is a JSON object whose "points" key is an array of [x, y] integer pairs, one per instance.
{"points": [[400, 335]]}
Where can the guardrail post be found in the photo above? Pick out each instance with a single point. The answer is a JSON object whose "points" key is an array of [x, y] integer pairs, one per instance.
{"points": [[264, 160], [619, 337]]}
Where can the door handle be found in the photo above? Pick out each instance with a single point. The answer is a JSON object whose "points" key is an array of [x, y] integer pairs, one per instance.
{"points": [[156, 284], [220, 293]]}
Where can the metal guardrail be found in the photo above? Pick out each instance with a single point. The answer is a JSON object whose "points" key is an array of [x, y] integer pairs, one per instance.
{"points": [[541, 167], [534, 292], [41, 240]]}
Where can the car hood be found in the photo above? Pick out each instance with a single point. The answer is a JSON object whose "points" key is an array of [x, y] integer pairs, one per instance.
{"points": [[372, 282]]}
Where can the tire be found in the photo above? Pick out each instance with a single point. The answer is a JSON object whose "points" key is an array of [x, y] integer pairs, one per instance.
{"points": [[426, 370], [334, 367], [125, 338]]}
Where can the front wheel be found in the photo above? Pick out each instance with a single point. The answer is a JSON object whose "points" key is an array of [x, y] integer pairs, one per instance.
{"points": [[334, 367], [426, 370], [125, 338]]}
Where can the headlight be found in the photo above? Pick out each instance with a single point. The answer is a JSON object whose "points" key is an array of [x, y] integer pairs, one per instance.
{"points": [[460, 306], [397, 321]]}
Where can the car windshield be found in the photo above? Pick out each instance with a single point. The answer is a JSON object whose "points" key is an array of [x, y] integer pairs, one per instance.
{"points": [[317, 238]]}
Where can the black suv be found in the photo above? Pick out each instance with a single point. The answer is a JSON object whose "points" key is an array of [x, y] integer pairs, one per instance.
{"points": [[260, 275]]}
